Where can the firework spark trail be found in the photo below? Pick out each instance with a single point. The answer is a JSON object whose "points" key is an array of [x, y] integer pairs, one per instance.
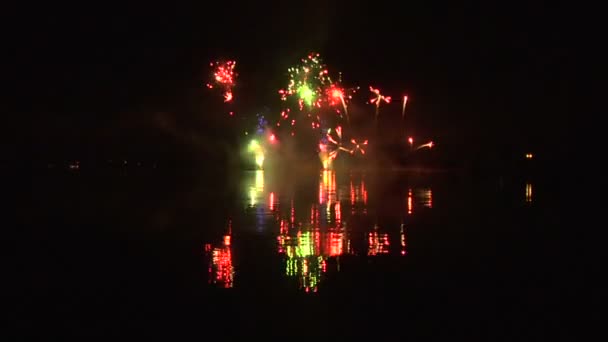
{"points": [[345, 109], [403, 114], [430, 144], [403, 110], [335, 93]]}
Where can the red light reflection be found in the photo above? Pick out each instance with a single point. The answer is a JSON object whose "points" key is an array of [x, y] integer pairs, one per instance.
{"points": [[377, 243], [220, 269]]}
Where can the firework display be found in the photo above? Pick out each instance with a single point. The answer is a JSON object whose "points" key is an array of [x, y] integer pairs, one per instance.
{"points": [[317, 115], [314, 237], [315, 109]]}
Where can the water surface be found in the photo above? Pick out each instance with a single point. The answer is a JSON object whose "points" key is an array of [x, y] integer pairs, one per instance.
{"points": [[286, 254]]}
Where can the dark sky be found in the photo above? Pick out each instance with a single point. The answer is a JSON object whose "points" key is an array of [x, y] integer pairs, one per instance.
{"points": [[476, 72]]}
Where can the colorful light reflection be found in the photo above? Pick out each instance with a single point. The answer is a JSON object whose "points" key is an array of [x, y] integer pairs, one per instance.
{"points": [[378, 243], [307, 248], [304, 259], [220, 269], [315, 245]]}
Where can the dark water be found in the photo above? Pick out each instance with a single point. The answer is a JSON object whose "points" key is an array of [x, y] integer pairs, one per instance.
{"points": [[289, 254]]}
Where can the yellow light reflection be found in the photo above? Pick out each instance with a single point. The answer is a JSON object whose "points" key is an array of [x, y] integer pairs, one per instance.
{"points": [[305, 245], [326, 159], [259, 159], [427, 198], [258, 152], [528, 192], [327, 187], [259, 180], [257, 188], [252, 196]]}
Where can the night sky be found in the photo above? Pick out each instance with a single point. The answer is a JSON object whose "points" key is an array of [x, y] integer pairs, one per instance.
{"points": [[475, 75]]}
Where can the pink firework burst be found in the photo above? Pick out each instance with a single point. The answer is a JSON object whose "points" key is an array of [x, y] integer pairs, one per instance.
{"points": [[224, 77], [358, 146], [378, 97]]}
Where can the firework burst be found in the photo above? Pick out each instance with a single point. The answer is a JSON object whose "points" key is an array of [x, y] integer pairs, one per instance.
{"points": [[336, 95], [378, 98], [358, 147], [224, 77], [307, 81], [330, 146], [334, 139], [316, 94]]}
